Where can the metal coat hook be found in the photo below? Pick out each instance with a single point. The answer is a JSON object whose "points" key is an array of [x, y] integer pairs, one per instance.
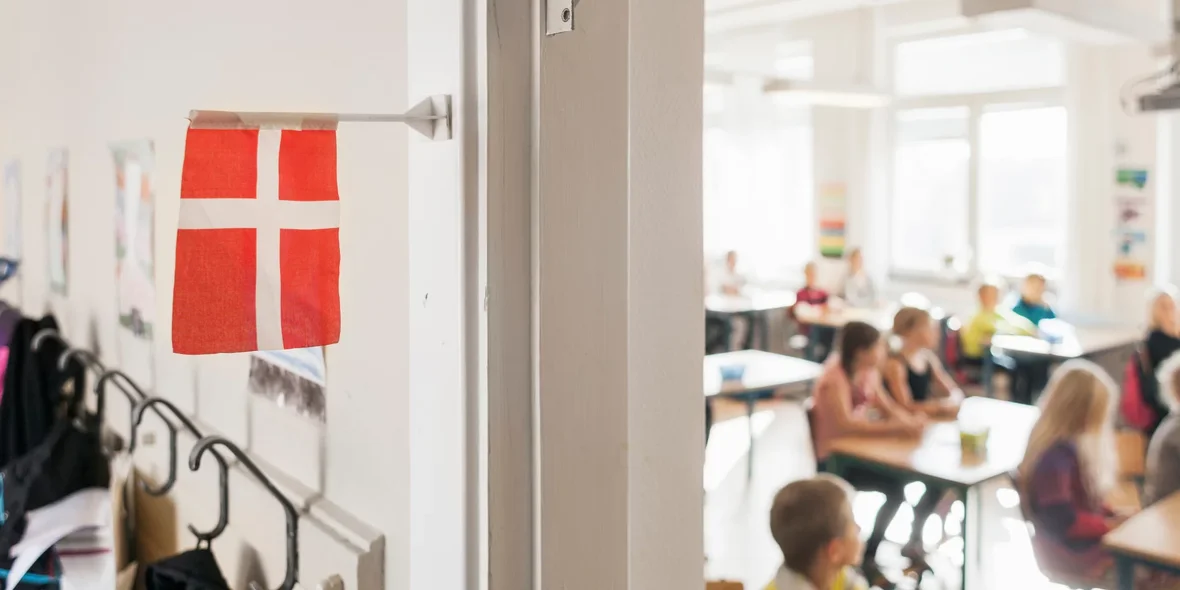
{"points": [[194, 463], [204, 538], [100, 390], [44, 333], [85, 356]]}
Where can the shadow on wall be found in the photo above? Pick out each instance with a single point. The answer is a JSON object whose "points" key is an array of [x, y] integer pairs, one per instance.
{"points": [[251, 569]]}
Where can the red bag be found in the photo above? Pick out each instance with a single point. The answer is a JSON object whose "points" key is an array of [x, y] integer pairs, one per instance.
{"points": [[1136, 412]]}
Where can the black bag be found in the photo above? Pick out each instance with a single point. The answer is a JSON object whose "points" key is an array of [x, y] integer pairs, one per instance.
{"points": [[191, 570]]}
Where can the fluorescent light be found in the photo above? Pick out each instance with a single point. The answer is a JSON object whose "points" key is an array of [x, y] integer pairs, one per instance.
{"points": [[796, 92]]}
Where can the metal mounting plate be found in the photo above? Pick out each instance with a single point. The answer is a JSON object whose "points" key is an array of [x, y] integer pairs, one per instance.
{"points": [[559, 16]]}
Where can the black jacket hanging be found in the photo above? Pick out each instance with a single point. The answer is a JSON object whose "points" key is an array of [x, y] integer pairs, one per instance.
{"points": [[191, 570], [31, 403]]}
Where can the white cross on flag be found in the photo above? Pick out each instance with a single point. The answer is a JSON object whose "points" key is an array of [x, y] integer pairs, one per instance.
{"points": [[257, 246]]}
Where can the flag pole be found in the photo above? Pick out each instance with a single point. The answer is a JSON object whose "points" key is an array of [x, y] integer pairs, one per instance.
{"points": [[431, 118]]}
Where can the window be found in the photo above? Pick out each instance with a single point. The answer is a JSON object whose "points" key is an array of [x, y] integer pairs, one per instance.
{"points": [[980, 62], [979, 167], [758, 194], [931, 188], [1021, 188]]}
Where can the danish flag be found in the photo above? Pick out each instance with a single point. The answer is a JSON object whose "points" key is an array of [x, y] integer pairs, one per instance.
{"points": [[257, 246]]}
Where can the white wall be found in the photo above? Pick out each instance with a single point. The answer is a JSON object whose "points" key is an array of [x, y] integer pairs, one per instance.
{"points": [[82, 74]]}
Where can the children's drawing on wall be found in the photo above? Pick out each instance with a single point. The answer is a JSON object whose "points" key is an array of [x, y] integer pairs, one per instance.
{"points": [[12, 202], [57, 218], [135, 236], [293, 379]]}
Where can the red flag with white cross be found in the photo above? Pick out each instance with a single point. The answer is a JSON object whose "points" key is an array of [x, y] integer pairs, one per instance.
{"points": [[257, 245]]}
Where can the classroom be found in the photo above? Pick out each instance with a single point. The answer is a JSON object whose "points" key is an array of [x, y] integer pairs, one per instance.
{"points": [[590, 294], [974, 198]]}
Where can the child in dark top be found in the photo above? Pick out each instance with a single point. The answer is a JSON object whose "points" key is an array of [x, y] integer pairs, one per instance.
{"points": [[1163, 340], [819, 338], [811, 294], [909, 374], [1067, 470]]}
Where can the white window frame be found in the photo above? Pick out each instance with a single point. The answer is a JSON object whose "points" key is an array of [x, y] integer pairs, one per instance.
{"points": [[976, 104]]}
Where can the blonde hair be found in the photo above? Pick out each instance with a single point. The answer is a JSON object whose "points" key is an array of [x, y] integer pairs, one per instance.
{"points": [[1168, 375], [908, 319], [1153, 299], [1077, 407], [807, 515]]}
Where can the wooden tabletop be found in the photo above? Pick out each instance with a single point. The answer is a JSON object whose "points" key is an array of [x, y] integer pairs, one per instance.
{"points": [[938, 452], [749, 302], [763, 371], [1082, 342], [1153, 535]]}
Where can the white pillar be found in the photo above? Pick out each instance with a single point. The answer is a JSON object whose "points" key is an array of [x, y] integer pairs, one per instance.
{"points": [[618, 298]]}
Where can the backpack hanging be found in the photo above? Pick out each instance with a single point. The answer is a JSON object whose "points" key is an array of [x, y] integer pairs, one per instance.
{"points": [[1133, 406]]}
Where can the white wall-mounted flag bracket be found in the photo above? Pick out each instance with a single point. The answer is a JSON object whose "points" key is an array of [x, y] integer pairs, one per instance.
{"points": [[559, 16], [431, 118]]}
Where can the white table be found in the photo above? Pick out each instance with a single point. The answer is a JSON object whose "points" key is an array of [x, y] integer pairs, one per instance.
{"points": [[752, 303], [1084, 341], [765, 375], [832, 317]]}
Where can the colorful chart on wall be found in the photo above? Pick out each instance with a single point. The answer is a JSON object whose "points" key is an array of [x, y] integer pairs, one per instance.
{"points": [[11, 192], [135, 227], [832, 219], [1132, 218], [57, 218], [294, 379]]}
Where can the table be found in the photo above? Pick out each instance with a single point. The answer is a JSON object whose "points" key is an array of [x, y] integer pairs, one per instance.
{"points": [[878, 317], [1150, 538], [765, 373], [1082, 342], [752, 304], [937, 457]]}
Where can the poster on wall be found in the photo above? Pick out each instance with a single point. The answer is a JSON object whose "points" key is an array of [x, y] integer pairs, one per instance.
{"points": [[57, 218], [294, 379], [1132, 244], [832, 219], [135, 223], [12, 205]]}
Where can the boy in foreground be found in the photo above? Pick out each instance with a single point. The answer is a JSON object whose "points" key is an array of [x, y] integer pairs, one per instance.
{"points": [[812, 522]]}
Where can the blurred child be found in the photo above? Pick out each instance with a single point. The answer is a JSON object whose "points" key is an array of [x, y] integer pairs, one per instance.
{"points": [[976, 338], [858, 290], [1163, 341], [812, 522], [811, 294], [914, 371], [849, 388], [1163, 338], [731, 282], [1031, 305], [1163, 453], [812, 299], [910, 376], [1068, 468]]}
